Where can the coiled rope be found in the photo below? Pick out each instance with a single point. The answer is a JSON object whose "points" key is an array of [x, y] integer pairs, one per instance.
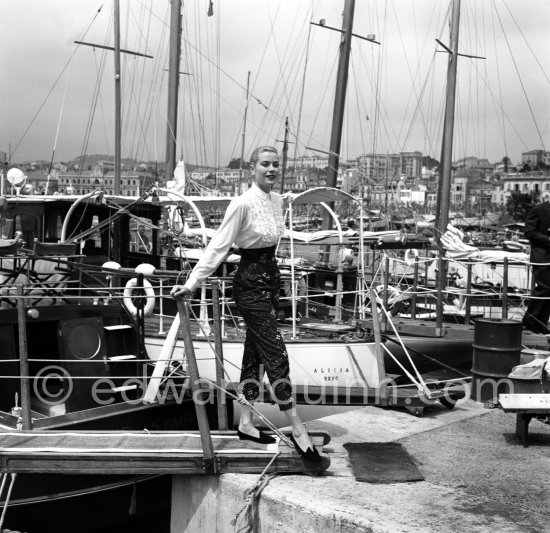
{"points": [[243, 521]]}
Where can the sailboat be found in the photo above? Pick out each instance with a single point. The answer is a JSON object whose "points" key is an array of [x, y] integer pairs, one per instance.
{"points": [[332, 361], [73, 356], [338, 360]]}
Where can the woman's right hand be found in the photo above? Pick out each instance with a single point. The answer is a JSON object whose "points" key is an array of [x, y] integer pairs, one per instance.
{"points": [[180, 291]]}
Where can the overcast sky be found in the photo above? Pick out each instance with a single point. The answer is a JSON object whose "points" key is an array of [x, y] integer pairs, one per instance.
{"points": [[56, 95]]}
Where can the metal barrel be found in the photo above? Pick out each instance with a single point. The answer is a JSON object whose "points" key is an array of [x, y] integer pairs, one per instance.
{"points": [[496, 350]]}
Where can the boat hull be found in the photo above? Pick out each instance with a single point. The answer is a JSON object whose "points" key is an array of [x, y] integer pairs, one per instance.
{"points": [[335, 370]]}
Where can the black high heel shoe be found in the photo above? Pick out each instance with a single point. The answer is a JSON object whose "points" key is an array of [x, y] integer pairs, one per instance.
{"points": [[263, 438], [311, 455]]}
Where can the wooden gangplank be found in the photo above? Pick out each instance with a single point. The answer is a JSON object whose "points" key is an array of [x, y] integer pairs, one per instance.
{"points": [[128, 452]]}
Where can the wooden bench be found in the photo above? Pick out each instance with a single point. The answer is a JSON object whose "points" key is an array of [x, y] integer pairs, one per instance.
{"points": [[526, 406]]}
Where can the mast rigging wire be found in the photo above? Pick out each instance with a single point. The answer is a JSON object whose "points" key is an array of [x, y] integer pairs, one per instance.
{"points": [[520, 80], [54, 84]]}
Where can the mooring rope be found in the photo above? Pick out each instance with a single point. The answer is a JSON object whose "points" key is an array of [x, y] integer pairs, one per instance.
{"points": [[243, 521]]}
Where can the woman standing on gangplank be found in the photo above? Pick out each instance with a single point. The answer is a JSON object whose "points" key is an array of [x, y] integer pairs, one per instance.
{"points": [[254, 222]]}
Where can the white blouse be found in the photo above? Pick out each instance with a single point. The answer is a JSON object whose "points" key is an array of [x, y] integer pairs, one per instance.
{"points": [[252, 220]]}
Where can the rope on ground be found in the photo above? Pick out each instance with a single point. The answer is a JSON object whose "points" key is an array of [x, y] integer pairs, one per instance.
{"points": [[244, 520]]}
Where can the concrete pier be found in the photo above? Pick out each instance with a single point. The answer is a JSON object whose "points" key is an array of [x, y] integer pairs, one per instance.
{"points": [[478, 478]]}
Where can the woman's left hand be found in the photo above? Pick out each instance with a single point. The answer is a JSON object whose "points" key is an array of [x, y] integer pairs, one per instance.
{"points": [[180, 291]]}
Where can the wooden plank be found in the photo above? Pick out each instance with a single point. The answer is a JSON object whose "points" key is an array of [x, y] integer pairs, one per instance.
{"points": [[253, 464], [532, 403], [200, 409], [120, 452]]}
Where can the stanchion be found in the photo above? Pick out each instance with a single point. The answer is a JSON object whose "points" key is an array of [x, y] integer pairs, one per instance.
{"points": [[23, 360], [378, 345], [218, 345]]}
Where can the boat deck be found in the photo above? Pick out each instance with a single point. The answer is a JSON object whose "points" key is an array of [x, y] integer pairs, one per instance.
{"points": [[428, 328], [127, 452]]}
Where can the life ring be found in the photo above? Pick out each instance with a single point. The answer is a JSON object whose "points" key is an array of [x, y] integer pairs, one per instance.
{"points": [[149, 294], [410, 256]]}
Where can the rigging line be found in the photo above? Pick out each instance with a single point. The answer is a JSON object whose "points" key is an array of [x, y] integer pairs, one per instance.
{"points": [[58, 126], [290, 63], [138, 25], [225, 73], [499, 107], [358, 102], [521, 82], [96, 97], [497, 104], [323, 96], [484, 105], [527, 43], [199, 107], [55, 83], [151, 100], [264, 52], [137, 131], [418, 110], [378, 85], [140, 142], [91, 114], [301, 104]]}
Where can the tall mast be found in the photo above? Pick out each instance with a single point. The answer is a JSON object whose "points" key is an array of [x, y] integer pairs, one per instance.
{"points": [[339, 104], [340, 96], [285, 156], [118, 99], [173, 85], [118, 105], [241, 162], [444, 189]]}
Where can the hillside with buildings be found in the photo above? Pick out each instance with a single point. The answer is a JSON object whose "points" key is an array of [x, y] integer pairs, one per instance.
{"points": [[385, 181]]}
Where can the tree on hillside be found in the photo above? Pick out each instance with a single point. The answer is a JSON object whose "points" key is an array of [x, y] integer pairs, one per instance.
{"points": [[429, 162], [236, 163], [518, 204], [526, 167], [506, 162]]}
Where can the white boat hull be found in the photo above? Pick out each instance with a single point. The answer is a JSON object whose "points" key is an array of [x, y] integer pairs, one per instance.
{"points": [[331, 366]]}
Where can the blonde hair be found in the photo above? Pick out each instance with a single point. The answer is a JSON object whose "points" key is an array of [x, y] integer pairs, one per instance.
{"points": [[255, 156]]}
